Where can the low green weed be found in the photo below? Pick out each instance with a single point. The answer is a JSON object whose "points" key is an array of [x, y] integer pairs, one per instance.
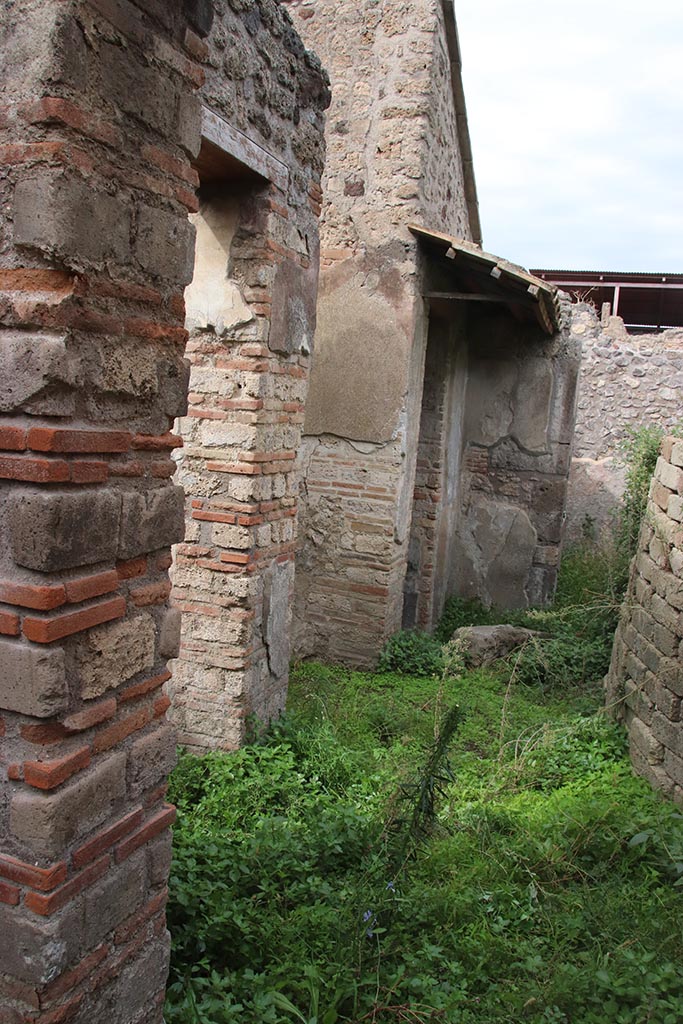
{"points": [[430, 844], [543, 888], [412, 653]]}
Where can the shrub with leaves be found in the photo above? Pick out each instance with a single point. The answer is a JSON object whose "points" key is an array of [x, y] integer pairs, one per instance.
{"points": [[639, 452], [412, 653]]}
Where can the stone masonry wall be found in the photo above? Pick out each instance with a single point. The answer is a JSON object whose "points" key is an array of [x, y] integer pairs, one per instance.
{"points": [[98, 123], [392, 146], [626, 381], [234, 575], [392, 157], [517, 434], [645, 681], [437, 495]]}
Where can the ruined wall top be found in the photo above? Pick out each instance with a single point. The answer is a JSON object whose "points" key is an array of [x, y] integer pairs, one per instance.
{"points": [[627, 380], [262, 79], [392, 132]]}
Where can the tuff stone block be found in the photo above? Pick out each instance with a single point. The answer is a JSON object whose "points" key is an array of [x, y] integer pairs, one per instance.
{"points": [[139, 982], [36, 374], [47, 823], [165, 245], [169, 634], [53, 530], [37, 950], [112, 654], [150, 520], [151, 759], [33, 680], [109, 901], [62, 215], [139, 89], [670, 476]]}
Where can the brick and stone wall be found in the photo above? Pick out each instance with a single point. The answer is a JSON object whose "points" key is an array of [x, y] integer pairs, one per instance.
{"points": [[95, 250], [626, 381], [493, 460], [393, 155], [100, 122], [251, 315], [435, 517], [644, 686]]}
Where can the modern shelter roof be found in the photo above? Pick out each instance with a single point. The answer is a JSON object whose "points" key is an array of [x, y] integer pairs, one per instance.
{"points": [[479, 276], [645, 301]]}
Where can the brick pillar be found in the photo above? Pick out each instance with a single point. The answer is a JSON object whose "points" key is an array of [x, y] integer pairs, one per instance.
{"points": [[234, 576], [97, 125]]}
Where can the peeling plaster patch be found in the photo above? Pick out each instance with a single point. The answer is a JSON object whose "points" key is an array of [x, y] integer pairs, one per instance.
{"points": [[213, 300]]}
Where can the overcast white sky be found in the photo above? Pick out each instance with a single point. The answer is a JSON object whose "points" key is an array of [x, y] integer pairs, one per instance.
{"points": [[576, 118]]}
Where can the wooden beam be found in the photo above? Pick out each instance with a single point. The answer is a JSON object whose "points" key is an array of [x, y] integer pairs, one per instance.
{"points": [[238, 145], [465, 297]]}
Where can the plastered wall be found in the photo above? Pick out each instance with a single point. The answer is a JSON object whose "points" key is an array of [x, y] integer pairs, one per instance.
{"points": [[393, 156]]}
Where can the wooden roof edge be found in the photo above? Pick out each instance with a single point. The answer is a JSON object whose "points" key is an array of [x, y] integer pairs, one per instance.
{"points": [[542, 293]]}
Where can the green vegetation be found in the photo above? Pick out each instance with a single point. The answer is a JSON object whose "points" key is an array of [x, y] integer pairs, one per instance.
{"points": [[461, 847], [639, 452], [429, 843]]}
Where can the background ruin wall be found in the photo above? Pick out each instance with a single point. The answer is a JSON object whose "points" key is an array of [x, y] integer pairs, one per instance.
{"points": [[645, 682], [99, 123], [626, 381], [493, 461]]}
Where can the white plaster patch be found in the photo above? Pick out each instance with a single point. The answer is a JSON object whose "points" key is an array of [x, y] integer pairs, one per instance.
{"points": [[213, 301]]}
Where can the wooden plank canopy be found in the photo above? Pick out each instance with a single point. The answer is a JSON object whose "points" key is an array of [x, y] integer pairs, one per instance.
{"points": [[478, 273]]}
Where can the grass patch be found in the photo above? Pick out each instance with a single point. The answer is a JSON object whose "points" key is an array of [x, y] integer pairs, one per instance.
{"points": [[433, 844], [361, 864]]}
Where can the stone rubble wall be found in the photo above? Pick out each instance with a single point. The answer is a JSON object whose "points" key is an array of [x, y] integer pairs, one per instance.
{"points": [[392, 144], [234, 575], [626, 381], [644, 686]]}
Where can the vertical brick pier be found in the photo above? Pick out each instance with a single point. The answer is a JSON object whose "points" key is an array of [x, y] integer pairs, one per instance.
{"points": [[98, 124]]}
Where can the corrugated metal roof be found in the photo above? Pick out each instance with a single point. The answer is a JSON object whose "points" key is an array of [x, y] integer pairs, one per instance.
{"points": [[611, 274]]}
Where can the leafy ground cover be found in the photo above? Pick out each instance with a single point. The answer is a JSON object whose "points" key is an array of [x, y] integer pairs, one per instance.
{"points": [[459, 846]]}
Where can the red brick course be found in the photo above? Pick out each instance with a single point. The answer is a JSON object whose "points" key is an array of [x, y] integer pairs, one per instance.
{"points": [[105, 839], [46, 631], [53, 439], [49, 774], [157, 824], [140, 689], [118, 731], [43, 879], [38, 597], [9, 624], [45, 905]]}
